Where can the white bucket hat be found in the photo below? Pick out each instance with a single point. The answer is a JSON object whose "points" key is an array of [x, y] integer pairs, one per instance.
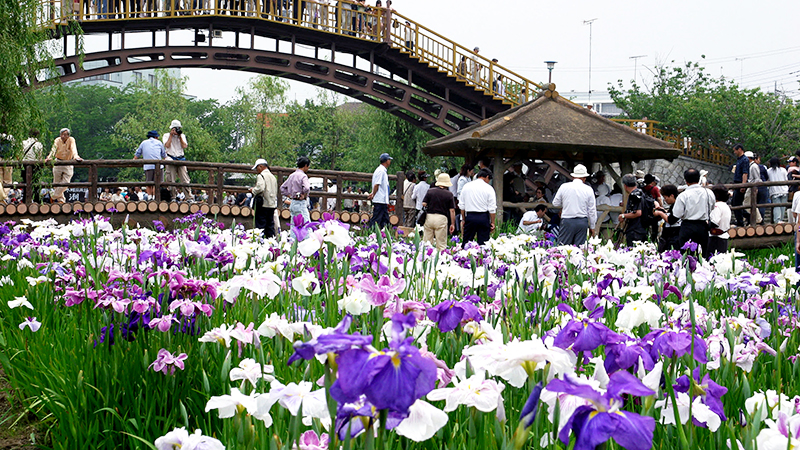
{"points": [[175, 124], [580, 172], [443, 180], [260, 162]]}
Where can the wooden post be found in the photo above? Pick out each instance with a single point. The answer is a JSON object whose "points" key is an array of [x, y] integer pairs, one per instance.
{"points": [[157, 190], [339, 193], [498, 184], [399, 210], [92, 197], [753, 205], [220, 184], [28, 183]]}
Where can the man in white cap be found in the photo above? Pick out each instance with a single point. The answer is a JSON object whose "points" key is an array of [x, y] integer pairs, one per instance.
{"points": [[175, 142], [266, 198], [380, 193], [578, 209], [64, 149]]}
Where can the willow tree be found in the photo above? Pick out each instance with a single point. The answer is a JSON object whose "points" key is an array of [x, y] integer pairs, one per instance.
{"points": [[26, 57]]}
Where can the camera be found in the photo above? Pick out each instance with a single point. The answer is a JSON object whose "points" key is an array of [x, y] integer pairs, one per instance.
{"points": [[178, 130]]}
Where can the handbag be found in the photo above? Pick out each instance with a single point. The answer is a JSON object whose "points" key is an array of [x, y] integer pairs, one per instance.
{"points": [[423, 216]]}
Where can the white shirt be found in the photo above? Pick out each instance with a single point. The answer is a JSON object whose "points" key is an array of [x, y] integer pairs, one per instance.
{"points": [[462, 181], [454, 188], [695, 203], [478, 196], [616, 200], [721, 215], [778, 174], [419, 193], [332, 200], [33, 149], [174, 149], [576, 200], [795, 207], [530, 216], [381, 178]]}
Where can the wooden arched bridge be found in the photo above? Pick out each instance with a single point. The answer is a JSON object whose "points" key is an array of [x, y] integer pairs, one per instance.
{"points": [[375, 55]]}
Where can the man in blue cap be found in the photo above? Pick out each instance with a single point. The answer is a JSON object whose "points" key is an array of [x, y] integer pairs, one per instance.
{"points": [[380, 193], [151, 148]]}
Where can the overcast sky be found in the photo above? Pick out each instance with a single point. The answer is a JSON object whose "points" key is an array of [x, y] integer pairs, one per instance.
{"points": [[755, 43]]}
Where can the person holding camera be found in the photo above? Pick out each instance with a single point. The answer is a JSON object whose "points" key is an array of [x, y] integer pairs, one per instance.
{"points": [[175, 143]]}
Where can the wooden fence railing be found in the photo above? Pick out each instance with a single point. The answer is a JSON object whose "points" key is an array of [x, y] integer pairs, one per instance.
{"points": [[215, 187], [691, 149]]}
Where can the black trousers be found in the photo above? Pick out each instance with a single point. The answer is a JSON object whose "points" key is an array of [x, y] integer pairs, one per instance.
{"points": [[634, 236], [669, 239], [738, 200], [695, 231], [264, 217], [717, 245], [380, 215], [477, 227]]}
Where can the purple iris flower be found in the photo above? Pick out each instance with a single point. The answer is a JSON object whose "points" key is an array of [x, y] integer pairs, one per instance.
{"points": [[671, 344], [626, 354], [604, 419], [362, 408], [336, 342], [599, 297], [690, 245], [449, 314], [710, 392], [391, 379], [301, 228], [584, 335], [528, 414]]}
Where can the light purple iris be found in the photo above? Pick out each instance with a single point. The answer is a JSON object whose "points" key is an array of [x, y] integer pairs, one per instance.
{"points": [[335, 342], [381, 292], [670, 343], [599, 297], [166, 362], [604, 419], [584, 335], [449, 314]]}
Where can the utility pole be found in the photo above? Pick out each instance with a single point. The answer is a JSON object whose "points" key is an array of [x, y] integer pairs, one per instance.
{"points": [[741, 69], [590, 22], [635, 65]]}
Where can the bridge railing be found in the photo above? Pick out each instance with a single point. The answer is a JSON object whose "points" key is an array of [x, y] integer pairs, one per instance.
{"points": [[344, 18], [215, 187], [690, 148]]}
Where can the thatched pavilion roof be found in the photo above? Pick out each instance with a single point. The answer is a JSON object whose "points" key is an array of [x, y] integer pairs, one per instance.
{"points": [[552, 128]]}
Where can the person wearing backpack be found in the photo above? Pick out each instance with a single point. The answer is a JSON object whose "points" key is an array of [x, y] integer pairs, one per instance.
{"points": [[635, 230], [693, 206]]}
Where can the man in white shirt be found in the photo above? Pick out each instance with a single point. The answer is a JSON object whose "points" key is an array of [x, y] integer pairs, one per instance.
{"points": [[532, 220], [478, 203], [380, 193], [578, 209], [420, 190], [693, 206], [331, 201], [175, 143], [265, 198]]}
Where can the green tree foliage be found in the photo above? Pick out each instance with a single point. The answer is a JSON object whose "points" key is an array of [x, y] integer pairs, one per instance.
{"points": [[25, 54], [713, 111]]}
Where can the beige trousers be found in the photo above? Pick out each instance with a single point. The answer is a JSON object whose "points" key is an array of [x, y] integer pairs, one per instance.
{"points": [[61, 174], [436, 228], [177, 174], [7, 178]]}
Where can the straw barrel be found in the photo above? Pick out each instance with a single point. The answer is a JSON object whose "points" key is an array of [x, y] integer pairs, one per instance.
{"points": [[44, 209], [235, 210], [66, 208], [22, 208], [141, 206], [130, 207], [246, 211], [194, 207], [214, 210], [204, 208], [225, 210], [34, 208], [183, 208], [345, 217], [760, 230], [315, 215], [394, 220], [285, 214]]}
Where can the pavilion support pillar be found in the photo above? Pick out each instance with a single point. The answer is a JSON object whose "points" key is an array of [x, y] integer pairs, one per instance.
{"points": [[497, 183]]}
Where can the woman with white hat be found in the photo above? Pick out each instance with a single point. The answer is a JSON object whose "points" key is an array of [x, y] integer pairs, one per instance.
{"points": [[440, 206]]}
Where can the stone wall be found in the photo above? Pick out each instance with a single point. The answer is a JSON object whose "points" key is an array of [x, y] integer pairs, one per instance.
{"points": [[671, 172]]}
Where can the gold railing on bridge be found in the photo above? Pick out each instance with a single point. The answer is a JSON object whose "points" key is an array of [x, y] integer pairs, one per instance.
{"points": [[691, 149], [345, 18]]}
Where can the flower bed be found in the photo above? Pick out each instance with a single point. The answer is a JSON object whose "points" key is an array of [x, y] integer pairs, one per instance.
{"points": [[136, 338]]}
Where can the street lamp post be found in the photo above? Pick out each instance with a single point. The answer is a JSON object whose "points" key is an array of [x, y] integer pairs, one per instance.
{"points": [[550, 65]]}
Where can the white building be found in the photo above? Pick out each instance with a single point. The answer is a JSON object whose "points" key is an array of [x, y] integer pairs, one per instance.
{"points": [[123, 79], [601, 102]]}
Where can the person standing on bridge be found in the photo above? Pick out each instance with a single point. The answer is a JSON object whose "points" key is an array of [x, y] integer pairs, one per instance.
{"points": [[476, 67], [579, 210], [740, 175], [380, 193], [150, 148], [175, 143], [296, 188], [64, 149], [265, 199]]}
